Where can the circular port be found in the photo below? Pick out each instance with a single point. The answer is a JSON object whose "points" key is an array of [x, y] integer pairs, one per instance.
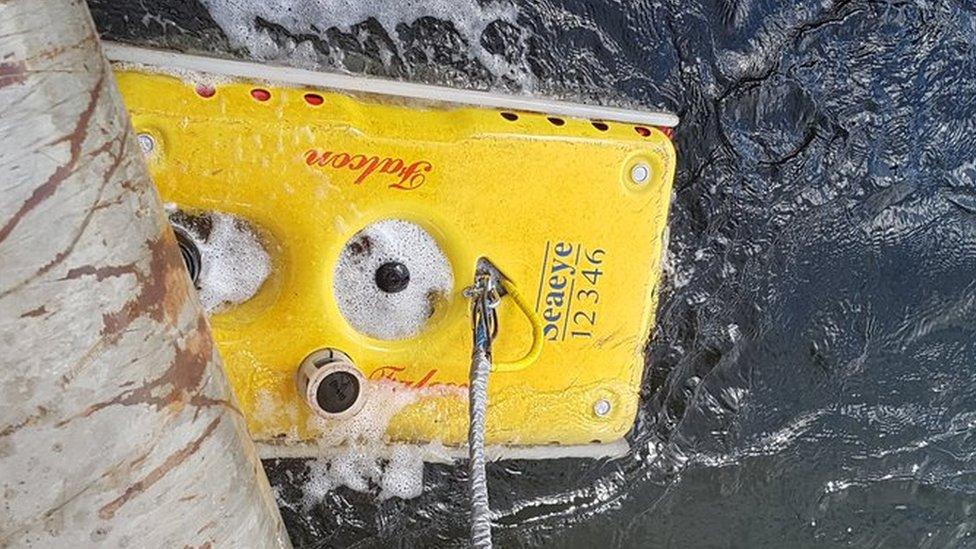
{"points": [[224, 254], [390, 278], [331, 385], [190, 253]]}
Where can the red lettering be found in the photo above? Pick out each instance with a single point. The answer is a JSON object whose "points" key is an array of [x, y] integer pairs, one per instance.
{"points": [[423, 381], [340, 160], [315, 157], [372, 163], [395, 373], [409, 176], [391, 165], [386, 372], [357, 162], [412, 178]]}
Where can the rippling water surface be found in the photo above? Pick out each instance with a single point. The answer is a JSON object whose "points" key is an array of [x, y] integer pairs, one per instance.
{"points": [[812, 380]]}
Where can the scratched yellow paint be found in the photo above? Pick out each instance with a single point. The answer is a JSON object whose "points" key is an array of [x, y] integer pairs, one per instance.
{"points": [[553, 205]]}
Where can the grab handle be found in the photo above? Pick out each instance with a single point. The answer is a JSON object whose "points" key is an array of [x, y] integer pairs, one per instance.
{"points": [[536, 349]]}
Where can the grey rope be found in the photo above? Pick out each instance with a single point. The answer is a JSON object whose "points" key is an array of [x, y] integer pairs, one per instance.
{"points": [[485, 295], [478, 395]]}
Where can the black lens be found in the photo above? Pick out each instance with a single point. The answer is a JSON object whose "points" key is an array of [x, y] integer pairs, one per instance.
{"points": [[337, 392], [392, 277]]}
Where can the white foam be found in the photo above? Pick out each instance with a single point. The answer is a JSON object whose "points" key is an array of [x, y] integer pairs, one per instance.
{"points": [[356, 454], [234, 264], [400, 474], [313, 17], [384, 399], [391, 315], [320, 482], [404, 474]]}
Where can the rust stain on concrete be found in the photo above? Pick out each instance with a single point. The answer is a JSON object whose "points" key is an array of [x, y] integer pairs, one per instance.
{"points": [[75, 140], [163, 289], [100, 273], [12, 72], [180, 384], [39, 311], [171, 462]]}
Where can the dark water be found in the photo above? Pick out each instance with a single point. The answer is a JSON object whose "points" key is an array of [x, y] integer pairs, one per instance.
{"points": [[812, 380]]}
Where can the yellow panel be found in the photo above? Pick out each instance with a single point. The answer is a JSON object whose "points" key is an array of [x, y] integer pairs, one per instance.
{"points": [[553, 206]]}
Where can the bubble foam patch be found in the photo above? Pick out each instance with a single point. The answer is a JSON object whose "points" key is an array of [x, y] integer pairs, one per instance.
{"points": [[391, 314], [234, 264], [359, 457], [389, 472]]}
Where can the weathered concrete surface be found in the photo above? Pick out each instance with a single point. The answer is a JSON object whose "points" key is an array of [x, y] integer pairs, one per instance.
{"points": [[117, 426]]}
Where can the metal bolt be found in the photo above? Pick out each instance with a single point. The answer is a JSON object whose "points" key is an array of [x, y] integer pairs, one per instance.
{"points": [[146, 143], [602, 407], [640, 173]]}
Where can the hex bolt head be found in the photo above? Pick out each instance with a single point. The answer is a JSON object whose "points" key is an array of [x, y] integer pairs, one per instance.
{"points": [[640, 173], [146, 143], [602, 407]]}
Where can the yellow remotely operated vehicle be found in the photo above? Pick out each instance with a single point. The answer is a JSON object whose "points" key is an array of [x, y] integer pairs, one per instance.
{"points": [[332, 233]]}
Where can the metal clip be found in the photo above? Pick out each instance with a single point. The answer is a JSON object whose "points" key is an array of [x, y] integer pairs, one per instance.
{"points": [[486, 294]]}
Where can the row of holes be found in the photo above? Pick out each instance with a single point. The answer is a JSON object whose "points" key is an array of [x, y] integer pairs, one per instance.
{"points": [[259, 94], [555, 121], [314, 99]]}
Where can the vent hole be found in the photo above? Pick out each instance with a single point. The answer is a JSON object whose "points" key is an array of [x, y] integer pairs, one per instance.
{"points": [[313, 99], [510, 116], [205, 90], [556, 121], [260, 94], [601, 126], [642, 130]]}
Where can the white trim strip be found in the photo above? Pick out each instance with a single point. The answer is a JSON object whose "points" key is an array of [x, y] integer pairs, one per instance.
{"points": [[302, 77], [432, 453]]}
